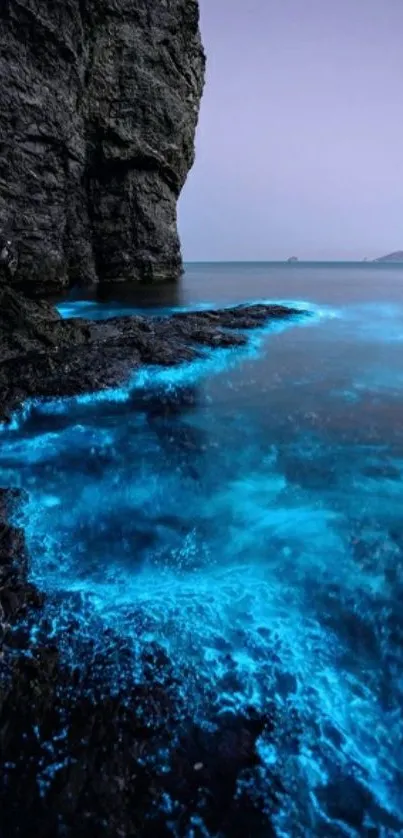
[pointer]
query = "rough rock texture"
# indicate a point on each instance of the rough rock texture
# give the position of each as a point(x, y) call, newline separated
point(43, 355)
point(98, 107)
point(77, 760)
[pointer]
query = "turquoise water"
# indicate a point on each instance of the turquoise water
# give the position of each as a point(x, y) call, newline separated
point(243, 513)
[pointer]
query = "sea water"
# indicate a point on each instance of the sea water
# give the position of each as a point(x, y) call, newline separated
point(244, 513)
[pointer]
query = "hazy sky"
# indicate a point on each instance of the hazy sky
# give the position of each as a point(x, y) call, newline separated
point(300, 141)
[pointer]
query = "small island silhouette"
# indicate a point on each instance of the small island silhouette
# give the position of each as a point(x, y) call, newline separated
point(397, 256)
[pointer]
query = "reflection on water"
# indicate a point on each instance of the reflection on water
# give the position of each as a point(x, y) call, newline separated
point(206, 284)
point(247, 519)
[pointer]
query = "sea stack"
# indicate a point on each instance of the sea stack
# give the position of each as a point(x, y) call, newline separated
point(99, 103)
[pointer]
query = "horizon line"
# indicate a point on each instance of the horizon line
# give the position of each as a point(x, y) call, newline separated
point(375, 261)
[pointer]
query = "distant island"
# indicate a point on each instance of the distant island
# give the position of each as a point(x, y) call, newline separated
point(391, 257)
point(293, 259)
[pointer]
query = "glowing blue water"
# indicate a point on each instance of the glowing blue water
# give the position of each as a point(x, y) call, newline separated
point(93, 310)
point(244, 513)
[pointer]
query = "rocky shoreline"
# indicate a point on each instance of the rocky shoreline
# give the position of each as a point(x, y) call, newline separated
point(42, 355)
point(81, 761)
point(98, 117)
point(78, 760)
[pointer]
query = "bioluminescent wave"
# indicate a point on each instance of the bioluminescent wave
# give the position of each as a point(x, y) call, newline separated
point(249, 525)
point(210, 362)
point(93, 310)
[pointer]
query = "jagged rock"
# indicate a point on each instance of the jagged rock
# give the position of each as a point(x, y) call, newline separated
point(98, 107)
point(78, 760)
point(28, 326)
point(43, 355)
point(8, 260)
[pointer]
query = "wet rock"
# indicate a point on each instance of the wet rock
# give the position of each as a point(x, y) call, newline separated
point(79, 760)
point(42, 355)
point(348, 801)
point(213, 773)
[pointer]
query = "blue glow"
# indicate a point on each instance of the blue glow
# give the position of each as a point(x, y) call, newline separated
point(93, 310)
point(254, 534)
point(211, 362)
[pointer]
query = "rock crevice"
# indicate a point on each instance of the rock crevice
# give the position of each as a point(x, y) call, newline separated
point(98, 111)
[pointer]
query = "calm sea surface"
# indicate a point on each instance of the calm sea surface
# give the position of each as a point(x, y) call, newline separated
point(244, 512)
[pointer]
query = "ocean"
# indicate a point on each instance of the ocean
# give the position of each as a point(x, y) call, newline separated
point(243, 513)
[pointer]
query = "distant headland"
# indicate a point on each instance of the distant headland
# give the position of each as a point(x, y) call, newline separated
point(397, 256)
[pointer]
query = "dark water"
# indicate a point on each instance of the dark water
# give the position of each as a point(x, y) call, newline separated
point(245, 513)
point(205, 284)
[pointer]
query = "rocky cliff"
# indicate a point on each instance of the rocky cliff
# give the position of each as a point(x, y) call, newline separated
point(99, 102)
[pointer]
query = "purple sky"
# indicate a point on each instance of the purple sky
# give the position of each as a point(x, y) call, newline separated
point(300, 142)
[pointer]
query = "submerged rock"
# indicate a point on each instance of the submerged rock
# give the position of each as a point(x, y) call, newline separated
point(43, 355)
point(98, 107)
point(80, 758)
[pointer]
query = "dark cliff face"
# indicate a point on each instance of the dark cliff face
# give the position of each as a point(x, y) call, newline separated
point(99, 103)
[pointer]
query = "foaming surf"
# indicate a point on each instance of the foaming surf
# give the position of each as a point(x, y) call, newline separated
point(265, 560)
point(210, 363)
